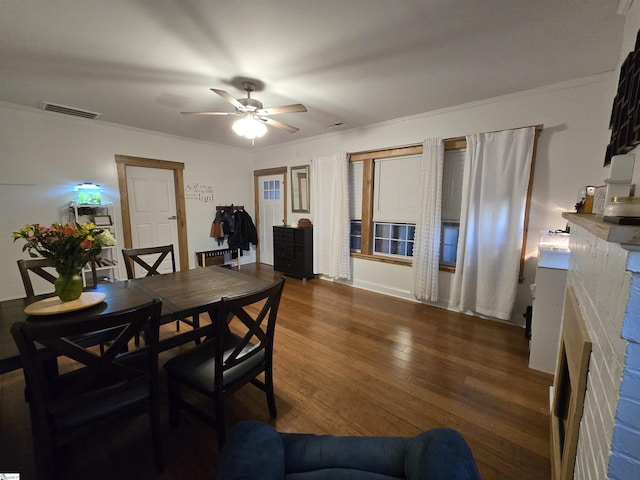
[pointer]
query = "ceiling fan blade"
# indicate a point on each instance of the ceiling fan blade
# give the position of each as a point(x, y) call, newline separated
point(295, 108)
point(227, 96)
point(278, 124)
point(209, 113)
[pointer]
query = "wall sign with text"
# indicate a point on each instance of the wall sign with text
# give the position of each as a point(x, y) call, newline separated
point(197, 191)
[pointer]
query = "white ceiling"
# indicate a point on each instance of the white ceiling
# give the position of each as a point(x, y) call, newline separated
point(355, 62)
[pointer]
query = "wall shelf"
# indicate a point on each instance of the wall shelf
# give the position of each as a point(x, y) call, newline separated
point(107, 262)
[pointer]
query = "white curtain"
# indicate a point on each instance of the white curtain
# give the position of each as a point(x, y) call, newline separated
point(331, 224)
point(494, 191)
point(426, 246)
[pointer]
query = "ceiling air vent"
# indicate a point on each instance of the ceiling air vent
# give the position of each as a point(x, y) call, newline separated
point(75, 112)
point(336, 126)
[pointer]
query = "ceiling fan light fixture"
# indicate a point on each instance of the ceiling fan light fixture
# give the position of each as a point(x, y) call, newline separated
point(249, 127)
point(254, 118)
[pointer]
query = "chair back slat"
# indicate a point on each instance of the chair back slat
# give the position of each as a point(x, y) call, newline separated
point(134, 255)
point(257, 334)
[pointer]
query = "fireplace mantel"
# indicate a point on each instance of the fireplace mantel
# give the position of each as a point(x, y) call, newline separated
point(610, 232)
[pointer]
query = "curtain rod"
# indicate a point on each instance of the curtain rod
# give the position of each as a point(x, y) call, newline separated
point(538, 128)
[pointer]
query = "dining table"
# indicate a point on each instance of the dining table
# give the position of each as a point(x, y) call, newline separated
point(184, 293)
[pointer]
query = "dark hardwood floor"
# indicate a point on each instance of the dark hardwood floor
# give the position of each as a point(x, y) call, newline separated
point(347, 362)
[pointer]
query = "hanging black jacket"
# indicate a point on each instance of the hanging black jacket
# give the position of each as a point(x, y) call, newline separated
point(228, 226)
point(244, 231)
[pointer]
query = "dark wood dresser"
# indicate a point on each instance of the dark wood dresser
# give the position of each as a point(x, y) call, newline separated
point(293, 251)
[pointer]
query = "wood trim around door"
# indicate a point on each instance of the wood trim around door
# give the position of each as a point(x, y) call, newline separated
point(256, 197)
point(181, 211)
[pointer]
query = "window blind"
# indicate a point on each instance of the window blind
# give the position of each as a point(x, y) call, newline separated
point(452, 173)
point(396, 189)
point(355, 190)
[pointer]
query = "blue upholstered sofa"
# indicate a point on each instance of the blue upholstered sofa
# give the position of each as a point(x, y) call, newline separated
point(256, 451)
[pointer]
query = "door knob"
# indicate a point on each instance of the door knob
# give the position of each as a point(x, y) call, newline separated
point(174, 217)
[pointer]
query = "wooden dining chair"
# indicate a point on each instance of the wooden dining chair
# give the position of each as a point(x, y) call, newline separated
point(238, 353)
point(150, 259)
point(96, 387)
point(142, 256)
point(45, 268)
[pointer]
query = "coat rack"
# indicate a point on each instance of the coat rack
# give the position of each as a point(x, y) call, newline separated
point(220, 208)
point(203, 256)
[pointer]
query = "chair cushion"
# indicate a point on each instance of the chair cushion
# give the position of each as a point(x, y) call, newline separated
point(253, 450)
point(101, 407)
point(109, 394)
point(195, 368)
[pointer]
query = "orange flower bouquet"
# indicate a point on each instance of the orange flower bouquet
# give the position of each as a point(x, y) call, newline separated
point(69, 246)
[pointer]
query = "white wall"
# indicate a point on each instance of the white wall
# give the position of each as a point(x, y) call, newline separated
point(43, 155)
point(570, 155)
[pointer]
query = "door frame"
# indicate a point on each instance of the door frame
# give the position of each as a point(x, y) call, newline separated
point(122, 161)
point(256, 195)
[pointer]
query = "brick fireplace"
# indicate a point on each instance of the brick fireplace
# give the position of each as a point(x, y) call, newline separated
point(604, 272)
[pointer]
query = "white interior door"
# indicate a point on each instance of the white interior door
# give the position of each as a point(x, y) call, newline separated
point(271, 205)
point(152, 209)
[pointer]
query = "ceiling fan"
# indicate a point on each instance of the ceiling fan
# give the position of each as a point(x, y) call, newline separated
point(254, 115)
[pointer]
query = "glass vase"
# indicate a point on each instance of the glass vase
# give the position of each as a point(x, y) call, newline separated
point(68, 286)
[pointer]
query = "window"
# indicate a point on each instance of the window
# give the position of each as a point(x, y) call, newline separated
point(396, 190)
point(449, 243)
point(395, 199)
point(356, 235)
point(271, 190)
point(384, 225)
point(394, 238)
point(452, 173)
point(382, 202)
